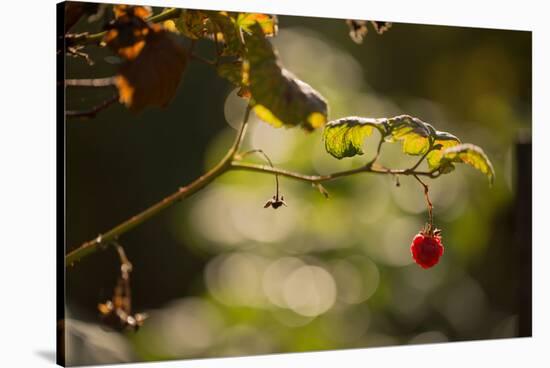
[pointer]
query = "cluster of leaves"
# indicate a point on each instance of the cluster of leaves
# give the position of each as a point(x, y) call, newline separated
point(345, 137)
point(248, 60)
point(155, 60)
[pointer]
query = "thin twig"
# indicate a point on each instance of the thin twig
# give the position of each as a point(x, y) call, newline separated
point(90, 82)
point(260, 151)
point(125, 264)
point(237, 165)
point(378, 150)
point(91, 113)
point(430, 149)
point(430, 206)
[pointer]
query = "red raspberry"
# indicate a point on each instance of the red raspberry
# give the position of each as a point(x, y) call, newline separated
point(426, 249)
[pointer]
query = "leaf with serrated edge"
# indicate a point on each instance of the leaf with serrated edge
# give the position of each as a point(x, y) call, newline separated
point(278, 97)
point(344, 137)
point(469, 154)
point(445, 140)
point(416, 135)
point(413, 132)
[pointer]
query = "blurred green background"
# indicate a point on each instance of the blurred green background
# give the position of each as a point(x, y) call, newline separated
point(219, 275)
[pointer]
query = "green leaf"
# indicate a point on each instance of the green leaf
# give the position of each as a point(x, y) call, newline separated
point(469, 154)
point(217, 26)
point(344, 137)
point(278, 97)
point(226, 32)
point(443, 140)
point(413, 132)
point(224, 27)
point(418, 136)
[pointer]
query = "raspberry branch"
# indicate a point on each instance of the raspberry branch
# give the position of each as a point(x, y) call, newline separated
point(232, 161)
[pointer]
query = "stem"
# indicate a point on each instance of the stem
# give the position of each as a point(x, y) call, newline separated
point(430, 206)
point(430, 149)
point(378, 150)
point(90, 82)
point(231, 161)
point(94, 110)
point(236, 165)
point(224, 165)
point(260, 151)
point(125, 264)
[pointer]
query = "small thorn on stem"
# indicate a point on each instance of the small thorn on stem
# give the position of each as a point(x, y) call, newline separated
point(321, 189)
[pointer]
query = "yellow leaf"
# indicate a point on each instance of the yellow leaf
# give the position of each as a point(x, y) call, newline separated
point(469, 154)
point(268, 23)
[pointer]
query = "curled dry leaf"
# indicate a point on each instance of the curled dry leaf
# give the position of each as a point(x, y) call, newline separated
point(155, 60)
point(380, 27)
point(127, 33)
point(358, 28)
point(151, 79)
point(278, 97)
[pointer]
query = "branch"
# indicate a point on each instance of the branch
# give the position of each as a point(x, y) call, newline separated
point(90, 82)
point(112, 235)
point(91, 113)
point(236, 165)
point(229, 162)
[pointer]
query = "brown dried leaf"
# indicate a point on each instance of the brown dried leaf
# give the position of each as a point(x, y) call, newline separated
point(127, 33)
point(380, 27)
point(127, 45)
point(142, 12)
point(358, 28)
point(153, 75)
